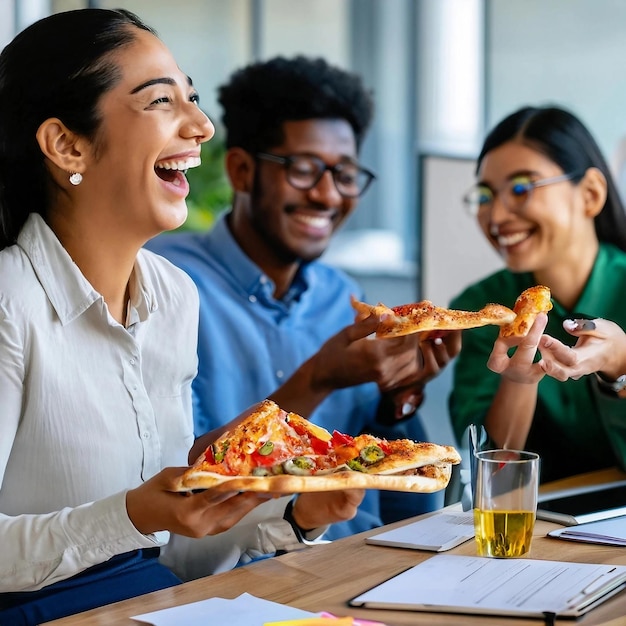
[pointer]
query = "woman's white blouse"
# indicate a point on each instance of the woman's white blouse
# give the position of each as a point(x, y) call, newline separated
point(88, 408)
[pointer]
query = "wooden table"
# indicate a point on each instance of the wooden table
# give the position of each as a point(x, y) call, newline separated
point(326, 576)
point(581, 481)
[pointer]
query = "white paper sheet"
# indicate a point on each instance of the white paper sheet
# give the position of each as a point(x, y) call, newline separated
point(497, 586)
point(610, 532)
point(245, 610)
point(437, 533)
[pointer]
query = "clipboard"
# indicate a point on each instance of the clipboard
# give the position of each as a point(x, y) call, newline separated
point(507, 587)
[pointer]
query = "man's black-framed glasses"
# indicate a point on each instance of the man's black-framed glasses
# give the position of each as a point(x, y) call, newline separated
point(304, 171)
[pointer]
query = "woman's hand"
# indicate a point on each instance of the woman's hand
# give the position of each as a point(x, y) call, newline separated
point(315, 509)
point(155, 505)
point(520, 367)
point(601, 347)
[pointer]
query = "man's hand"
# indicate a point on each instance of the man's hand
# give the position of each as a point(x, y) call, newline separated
point(438, 352)
point(315, 509)
point(354, 356)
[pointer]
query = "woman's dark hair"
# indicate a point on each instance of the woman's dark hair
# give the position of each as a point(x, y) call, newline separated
point(59, 66)
point(259, 98)
point(564, 139)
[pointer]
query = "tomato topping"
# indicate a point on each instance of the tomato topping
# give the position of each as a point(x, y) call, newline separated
point(208, 456)
point(299, 428)
point(383, 444)
point(339, 439)
point(319, 446)
point(263, 460)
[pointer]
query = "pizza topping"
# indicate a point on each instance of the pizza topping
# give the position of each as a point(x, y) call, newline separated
point(355, 465)
point(266, 448)
point(261, 471)
point(341, 439)
point(271, 449)
point(300, 466)
point(209, 457)
point(219, 451)
point(371, 454)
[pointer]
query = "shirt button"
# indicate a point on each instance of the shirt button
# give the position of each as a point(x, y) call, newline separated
point(252, 298)
point(145, 435)
point(263, 280)
point(132, 361)
point(279, 373)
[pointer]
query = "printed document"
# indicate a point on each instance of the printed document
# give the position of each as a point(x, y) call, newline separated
point(517, 587)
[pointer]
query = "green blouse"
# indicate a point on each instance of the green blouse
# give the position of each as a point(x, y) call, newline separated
point(577, 426)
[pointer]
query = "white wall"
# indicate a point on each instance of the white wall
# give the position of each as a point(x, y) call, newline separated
point(455, 253)
point(570, 52)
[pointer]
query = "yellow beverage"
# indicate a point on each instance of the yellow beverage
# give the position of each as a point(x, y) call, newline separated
point(503, 533)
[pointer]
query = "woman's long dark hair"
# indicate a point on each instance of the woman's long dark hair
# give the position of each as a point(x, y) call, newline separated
point(57, 67)
point(564, 139)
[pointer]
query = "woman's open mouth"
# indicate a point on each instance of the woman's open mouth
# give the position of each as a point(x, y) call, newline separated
point(173, 171)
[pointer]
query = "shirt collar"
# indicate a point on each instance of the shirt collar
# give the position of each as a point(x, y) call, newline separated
point(69, 292)
point(245, 272)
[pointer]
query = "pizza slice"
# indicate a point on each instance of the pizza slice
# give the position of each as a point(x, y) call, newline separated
point(528, 305)
point(278, 452)
point(425, 317)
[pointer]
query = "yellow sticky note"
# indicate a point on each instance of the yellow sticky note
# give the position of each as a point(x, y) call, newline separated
point(314, 621)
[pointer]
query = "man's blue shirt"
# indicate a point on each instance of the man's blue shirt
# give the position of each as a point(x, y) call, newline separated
point(249, 344)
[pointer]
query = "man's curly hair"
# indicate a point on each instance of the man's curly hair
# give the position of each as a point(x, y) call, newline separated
point(259, 98)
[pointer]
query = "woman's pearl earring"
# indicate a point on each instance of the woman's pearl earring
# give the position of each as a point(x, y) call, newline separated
point(76, 178)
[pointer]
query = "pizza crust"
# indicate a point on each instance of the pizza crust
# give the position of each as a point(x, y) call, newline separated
point(425, 479)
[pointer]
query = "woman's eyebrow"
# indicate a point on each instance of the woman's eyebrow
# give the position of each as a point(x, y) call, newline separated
point(158, 81)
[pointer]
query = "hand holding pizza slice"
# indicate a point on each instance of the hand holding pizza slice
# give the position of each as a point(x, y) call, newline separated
point(278, 452)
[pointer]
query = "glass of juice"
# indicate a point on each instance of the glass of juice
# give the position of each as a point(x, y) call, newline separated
point(505, 501)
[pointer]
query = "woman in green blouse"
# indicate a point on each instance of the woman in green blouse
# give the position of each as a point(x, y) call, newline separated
point(545, 200)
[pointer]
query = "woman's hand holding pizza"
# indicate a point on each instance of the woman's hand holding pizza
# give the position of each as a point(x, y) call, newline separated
point(521, 366)
point(155, 506)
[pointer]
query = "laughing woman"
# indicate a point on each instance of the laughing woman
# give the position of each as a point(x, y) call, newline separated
point(545, 200)
point(97, 336)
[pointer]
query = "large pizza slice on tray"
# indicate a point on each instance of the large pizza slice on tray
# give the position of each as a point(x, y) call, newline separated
point(279, 452)
point(425, 317)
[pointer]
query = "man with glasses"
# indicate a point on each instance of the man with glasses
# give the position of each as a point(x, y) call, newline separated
point(275, 321)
